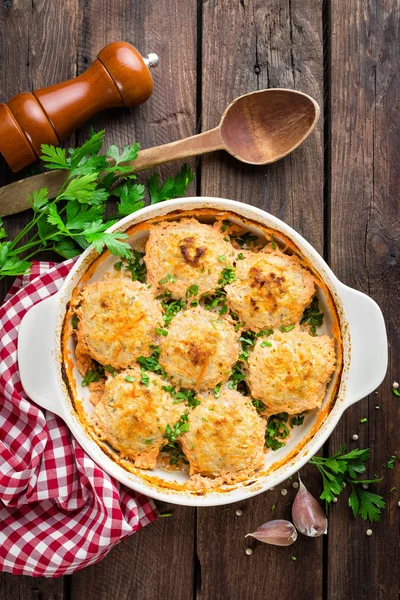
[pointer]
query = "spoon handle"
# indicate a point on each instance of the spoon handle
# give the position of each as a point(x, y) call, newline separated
point(209, 141)
point(14, 197)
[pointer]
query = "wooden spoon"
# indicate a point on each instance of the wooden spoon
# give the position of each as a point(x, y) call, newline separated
point(258, 128)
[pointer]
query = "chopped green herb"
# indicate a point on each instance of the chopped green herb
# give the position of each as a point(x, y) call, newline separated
point(287, 328)
point(391, 462)
point(150, 363)
point(313, 316)
point(258, 405)
point(240, 256)
point(217, 390)
point(93, 375)
point(293, 557)
point(181, 426)
point(161, 515)
point(364, 420)
point(167, 278)
point(74, 321)
point(276, 431)
point(109, 369)
point(265, 332)
point(130, 379)
point(222, 258)
point(134, 265)
point(265, 344)
point(144, 377)
point(192, 290)
point(237, 376)
point(182, 395)
point(225, 225)
point(247, 340)
point(395, 391)
point(171, 309)
point(227, 276)
point(149, 441)
point(160, 331)
point(175, 452)
point(246, 240)
point(273, 507)
point(392, 489)
point(297, 420)
point(217, 300)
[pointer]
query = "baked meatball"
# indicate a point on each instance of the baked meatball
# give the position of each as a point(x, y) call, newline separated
point(133, 417)
point(199, 350)
point(225, 437)
point(117, 321)
point(181, 254)
point(271, 289)
point(291, 374)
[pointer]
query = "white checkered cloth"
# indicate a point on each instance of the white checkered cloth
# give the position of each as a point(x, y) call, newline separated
point(59, 512)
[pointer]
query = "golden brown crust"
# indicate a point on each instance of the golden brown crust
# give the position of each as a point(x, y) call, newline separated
point(117, 321)
point(291, 375)
point(225, 438)
point(186, 252)
point(199, 350)
point(133, 417)
point(271, 290)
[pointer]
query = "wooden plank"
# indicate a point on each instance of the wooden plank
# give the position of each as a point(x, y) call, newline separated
point(157, 561)
point(13, 587)
point(44, 33)
point(259, 45)
point(37, 47)
point(365, 250)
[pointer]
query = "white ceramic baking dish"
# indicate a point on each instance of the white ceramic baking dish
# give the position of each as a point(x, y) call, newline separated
point(364, 363)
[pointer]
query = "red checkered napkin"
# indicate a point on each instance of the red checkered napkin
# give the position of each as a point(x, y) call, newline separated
point(59, 512)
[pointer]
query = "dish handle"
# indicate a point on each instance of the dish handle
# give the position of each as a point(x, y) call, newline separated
point(369, 347)
point(36, 355)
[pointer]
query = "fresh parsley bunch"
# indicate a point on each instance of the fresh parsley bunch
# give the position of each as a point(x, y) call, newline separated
point(341, 469)
point(76, 218)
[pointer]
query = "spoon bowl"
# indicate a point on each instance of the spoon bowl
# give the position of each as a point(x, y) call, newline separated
point(261, 127)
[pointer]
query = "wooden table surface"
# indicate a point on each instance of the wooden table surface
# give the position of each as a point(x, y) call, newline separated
point(340, 190)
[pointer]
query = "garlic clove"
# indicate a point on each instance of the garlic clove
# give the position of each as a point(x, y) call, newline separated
point(307, 513)
point(277, 533)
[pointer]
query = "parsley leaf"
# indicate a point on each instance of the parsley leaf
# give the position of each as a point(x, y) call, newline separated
point(344, 468)
point(172, 187)
point(112, 241)
point(39, 199)
point(54, 158)
point(131, 198)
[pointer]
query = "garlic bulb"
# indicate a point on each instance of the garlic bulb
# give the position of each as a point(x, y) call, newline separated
point(308, 514)
point(277, 533)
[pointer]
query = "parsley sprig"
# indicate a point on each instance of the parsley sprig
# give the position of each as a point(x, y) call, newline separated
point(76, 217)
point(344, 468)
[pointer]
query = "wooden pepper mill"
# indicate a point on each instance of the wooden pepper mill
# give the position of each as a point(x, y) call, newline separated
point(119, 76)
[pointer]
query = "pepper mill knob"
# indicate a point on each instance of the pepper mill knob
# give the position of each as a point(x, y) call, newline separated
point(119, 76)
